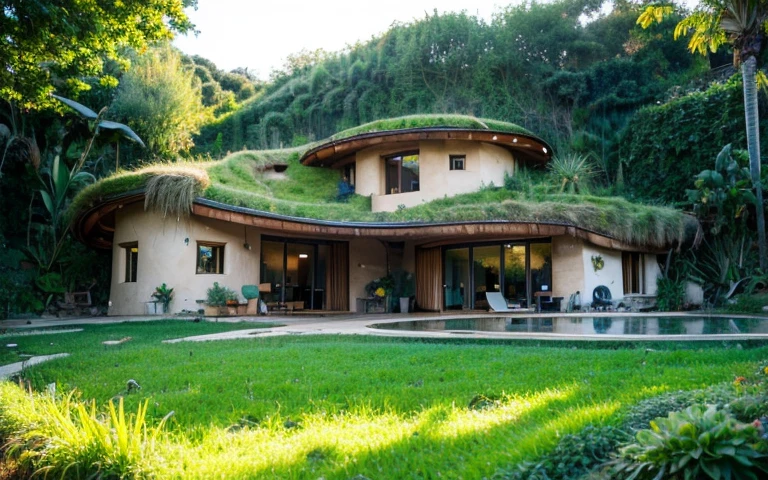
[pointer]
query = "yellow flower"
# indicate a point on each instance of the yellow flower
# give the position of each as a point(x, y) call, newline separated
point(380, 292)
point(765, 370)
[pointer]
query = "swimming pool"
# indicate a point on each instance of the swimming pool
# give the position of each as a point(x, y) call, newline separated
point(589, 325)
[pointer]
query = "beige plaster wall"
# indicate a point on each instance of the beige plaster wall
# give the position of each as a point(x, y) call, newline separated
point(367, 262)
point(610, 275)
point(165, 258)
point(567, 268)
point(485, 164)
point(652, 272)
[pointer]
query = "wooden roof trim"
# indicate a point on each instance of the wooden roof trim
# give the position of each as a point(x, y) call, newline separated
point(329, 153)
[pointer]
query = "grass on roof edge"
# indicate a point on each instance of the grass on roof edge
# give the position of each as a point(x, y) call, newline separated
point(431, 120)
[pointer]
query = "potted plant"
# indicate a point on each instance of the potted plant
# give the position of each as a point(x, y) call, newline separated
point(404, 288)
point(216, 299)
point(164, 295)
point(381, 289)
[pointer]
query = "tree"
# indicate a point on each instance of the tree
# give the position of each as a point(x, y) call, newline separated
point(161, 100)
point(741, 24)
point(52, 44)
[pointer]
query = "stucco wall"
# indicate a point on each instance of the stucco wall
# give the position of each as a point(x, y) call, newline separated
point(610, 275)
point(485, 164)
point(165, 258)
point(367, 261)
point(567, 268)
point(652, 272)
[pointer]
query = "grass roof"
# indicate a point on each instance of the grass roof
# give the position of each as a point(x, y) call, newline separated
point(434, 121)
point(241, 180)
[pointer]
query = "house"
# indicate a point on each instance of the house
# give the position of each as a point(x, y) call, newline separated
point(422, 175)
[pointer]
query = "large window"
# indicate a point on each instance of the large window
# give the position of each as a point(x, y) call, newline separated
point(518, 270)
point(632, 272)
point(402, 172)
point(210, 257)
point(131, 260)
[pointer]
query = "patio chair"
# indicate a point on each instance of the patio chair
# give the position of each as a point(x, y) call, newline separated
point(601, 297)
point(497, 302)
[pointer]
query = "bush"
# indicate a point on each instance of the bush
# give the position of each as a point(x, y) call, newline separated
point(698, 442)
point(670, 294)
point(217, 295)
point(575, 456)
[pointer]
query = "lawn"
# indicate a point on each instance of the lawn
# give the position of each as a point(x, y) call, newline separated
point(336, 407)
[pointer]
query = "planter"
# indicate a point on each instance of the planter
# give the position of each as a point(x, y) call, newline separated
point(154, 308)
point(212, 311)
point(404, 304)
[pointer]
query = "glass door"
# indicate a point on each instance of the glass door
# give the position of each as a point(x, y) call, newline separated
point(515, 286)
point(457, 279)
point(486, 268)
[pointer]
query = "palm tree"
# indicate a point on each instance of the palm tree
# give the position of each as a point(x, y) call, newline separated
point(739, 23)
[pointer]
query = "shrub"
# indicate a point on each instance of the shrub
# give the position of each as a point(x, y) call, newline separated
point(218, 295)
point(70, 439)
point(670, 294)
point(573, 457)
point(698, 442)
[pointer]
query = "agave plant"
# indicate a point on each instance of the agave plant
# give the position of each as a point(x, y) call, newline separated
point(572, 171)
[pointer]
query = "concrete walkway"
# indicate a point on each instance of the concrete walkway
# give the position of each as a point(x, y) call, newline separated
point(7, 370)
point(360, 324)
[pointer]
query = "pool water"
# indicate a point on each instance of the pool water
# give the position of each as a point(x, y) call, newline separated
point(624, 325)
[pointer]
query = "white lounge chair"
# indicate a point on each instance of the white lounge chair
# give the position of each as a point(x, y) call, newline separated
point(498, 303)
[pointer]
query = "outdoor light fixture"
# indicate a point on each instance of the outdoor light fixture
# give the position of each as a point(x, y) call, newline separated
point(545, 149)
point(514, 140)
point(303, 255)
point(495, 137)
point(186, 241)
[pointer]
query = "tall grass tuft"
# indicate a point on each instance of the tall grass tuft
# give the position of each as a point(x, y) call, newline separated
point(66, 438)
point(173, 193)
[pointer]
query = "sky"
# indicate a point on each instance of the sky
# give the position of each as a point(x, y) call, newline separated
point(259, 35)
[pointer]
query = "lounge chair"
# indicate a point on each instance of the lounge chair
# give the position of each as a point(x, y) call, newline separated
point(497, 302)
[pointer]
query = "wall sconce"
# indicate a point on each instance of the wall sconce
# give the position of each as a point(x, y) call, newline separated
point(186, 241)
point(303, 255)
point(495, 137)
point(247, 246)
point(360, 265)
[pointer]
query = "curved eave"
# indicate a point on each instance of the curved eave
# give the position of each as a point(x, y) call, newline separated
point(95, 227)
point(528, 147)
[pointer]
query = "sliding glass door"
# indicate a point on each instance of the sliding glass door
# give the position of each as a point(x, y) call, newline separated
point(517, 270)
point(296, 273)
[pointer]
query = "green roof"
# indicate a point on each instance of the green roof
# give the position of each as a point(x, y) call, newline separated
point(432, 121)
point(241, 180)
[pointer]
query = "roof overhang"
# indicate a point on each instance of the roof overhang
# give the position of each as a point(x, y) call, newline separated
point(95, 227)
point(528, 148)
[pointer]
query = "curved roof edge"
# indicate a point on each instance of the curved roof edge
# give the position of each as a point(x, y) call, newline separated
point(529, 147)
point(93, 228)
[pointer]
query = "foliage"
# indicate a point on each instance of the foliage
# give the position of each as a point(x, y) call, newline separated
point(572, 171)
point(172, 192)
point(718, 263)
point(657, 144)
point(747, 303)
point(581, 92)
point(46, 43)
point(389, 407)
point(574, 456)
point(217, 295)
point(404, 283)
point(164, 295)
point(159, 99)
point(670, 294)
point(722, 197)
point(698, 442)
point(380, 287)
point(69, 437)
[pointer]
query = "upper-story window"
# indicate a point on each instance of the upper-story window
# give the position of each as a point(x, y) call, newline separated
point(402, 172)
point(457, 162)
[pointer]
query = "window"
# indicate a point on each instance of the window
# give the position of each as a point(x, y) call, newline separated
point(131, 260)
point(349, 173)
point(402, 172)
point(632, 272)
point(457, 162)
point(210, 257)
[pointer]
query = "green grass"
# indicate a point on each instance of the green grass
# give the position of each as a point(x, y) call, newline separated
point(379, 407)
point(433, 120)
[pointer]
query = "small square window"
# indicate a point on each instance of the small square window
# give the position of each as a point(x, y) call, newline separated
point(458, 161)
point(210, 257)
point(131, 260)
